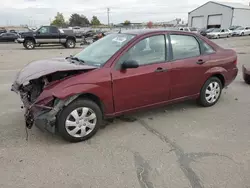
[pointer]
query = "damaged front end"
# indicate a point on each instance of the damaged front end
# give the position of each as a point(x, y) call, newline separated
point(41, 106)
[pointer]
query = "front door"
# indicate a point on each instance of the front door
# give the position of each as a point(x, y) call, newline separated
point(43, 35)
point(149, 83)
point(188, 65)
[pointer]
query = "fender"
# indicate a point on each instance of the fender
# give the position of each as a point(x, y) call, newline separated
point(73, 37)
point(30, 37)
point(103, 93)
point(214, 71)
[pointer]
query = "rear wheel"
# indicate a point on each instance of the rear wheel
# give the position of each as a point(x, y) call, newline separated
point(29, 44)
point(70, 43)
point(80, 120)
point(210, 92)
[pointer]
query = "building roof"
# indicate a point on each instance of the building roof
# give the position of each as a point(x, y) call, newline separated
point(232, 5)
point(226, 4)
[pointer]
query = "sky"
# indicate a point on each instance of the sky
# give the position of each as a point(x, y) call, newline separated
point(40, 12)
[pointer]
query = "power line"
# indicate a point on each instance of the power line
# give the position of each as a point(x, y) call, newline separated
point(108, 15)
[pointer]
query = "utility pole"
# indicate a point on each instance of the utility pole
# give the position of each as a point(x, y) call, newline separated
point(108, 15)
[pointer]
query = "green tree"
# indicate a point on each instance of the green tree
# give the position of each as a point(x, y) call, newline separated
point(59, 20)
point(78, 20)
point(95, 21)
point(127, 22)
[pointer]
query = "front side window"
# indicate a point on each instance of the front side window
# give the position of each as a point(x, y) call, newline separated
point(44, 30)
point(184, 46)
point(99, 52)
point(147, 51)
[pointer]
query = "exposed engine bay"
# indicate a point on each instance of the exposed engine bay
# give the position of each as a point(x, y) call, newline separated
point(30, 92)
point(31, 81)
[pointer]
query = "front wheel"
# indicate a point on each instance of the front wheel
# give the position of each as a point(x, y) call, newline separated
point(242, 34)
point(80, 120)
point(210, 92)
point(29, 44)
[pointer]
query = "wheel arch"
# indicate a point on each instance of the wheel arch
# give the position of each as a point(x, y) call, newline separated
point(93, 98)
point(30, 38)
point(70, 37)
point(221, 78)
point(218, 72)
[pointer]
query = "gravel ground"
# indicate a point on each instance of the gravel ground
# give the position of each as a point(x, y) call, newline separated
point(178, 146)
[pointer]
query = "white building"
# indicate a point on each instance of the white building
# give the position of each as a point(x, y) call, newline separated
point(219, 15)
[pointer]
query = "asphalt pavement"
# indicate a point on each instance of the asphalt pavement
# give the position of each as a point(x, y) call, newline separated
point(177, 146)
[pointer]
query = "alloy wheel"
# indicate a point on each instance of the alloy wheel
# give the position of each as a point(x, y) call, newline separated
point(81, 122)
point(30, 44)
point(212, 92)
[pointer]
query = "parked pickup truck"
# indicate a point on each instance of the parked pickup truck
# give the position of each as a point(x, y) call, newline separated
point(49, 35)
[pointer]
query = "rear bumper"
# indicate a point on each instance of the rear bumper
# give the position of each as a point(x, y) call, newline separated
point(231, 75)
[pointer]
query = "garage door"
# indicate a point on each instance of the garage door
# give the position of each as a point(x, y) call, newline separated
point(197, 21)
point(214, 19)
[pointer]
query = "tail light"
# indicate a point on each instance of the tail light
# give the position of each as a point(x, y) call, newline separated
point(235, 62)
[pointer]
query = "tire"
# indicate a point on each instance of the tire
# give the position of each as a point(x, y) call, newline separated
point(218, 36)
point(212, 82)
point(242, 34)
point(29, 44)
point(79, 128)
point(247, 81)
point(70, 43)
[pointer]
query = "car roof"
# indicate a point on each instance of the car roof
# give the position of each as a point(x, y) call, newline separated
point(148, 31)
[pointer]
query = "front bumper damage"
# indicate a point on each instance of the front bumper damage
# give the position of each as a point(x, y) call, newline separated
point(42, 115)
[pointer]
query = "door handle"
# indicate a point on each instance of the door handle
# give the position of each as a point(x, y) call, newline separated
point(160, 69)
point(200, 62)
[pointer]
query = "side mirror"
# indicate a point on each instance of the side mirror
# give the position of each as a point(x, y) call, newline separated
point(38, 32)
point(130, 64)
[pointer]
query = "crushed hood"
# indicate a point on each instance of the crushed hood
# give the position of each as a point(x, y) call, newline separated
point(40, 68)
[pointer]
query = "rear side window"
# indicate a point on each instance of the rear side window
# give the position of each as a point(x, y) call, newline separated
point(207, 49)
point(184, 46)
point(53, 30)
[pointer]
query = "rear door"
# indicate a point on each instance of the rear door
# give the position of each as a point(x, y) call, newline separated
point(223, 33)
point(188, 64)
point(54, 35)
point(149, 83)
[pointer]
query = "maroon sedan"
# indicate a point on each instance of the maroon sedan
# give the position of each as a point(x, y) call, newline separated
point(121, 73)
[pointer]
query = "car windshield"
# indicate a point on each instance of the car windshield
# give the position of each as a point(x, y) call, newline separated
point(102, 50)
point(239, 28)
point(210, 30)
point(193, 29)
point(216, 30)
